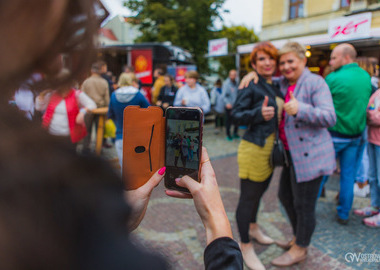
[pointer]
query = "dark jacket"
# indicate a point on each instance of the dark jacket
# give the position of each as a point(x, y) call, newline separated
point(167, 94)
point(110, 83)
point(247, 110)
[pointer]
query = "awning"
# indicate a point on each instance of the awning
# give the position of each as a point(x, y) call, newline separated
point(317, 41)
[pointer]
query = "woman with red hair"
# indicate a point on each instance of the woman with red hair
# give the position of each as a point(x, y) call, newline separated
point(308, 112)
point(258, 107)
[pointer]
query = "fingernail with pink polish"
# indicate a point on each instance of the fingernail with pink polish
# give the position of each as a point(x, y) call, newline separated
point(162, 171)
point(177, 180)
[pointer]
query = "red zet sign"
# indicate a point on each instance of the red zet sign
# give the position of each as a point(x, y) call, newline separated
point(351, 27)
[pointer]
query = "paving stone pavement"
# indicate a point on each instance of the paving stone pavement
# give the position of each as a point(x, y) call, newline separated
point(172, 228)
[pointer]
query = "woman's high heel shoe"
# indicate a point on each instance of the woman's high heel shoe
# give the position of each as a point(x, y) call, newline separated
point(287, 260)
point(257, 234)
point(285, 244)
point(250, 258)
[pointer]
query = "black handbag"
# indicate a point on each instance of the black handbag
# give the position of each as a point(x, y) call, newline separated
point(278, 157)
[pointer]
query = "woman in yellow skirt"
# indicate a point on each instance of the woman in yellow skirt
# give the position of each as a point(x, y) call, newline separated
point(259, 107)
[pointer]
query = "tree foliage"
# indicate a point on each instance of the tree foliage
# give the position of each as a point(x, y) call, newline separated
point(185, 23)
point(237, 35)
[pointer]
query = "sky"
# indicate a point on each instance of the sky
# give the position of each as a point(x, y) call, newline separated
point(242, 12)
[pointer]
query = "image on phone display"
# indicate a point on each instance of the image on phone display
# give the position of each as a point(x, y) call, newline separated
point(183, 145)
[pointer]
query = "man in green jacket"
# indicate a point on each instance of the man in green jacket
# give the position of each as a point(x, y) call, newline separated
point(350, 87)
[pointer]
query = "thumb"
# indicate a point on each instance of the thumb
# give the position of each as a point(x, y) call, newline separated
point(155, 179)
point(187, 182)
point(292, 97)
point(265, 103)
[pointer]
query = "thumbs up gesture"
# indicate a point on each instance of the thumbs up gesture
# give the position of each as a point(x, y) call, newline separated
point(267, 111)
point(291, 107)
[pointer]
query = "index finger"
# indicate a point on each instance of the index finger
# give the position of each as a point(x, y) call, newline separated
point(206, 168)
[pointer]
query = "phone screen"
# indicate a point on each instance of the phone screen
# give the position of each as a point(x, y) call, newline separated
point(183, 144)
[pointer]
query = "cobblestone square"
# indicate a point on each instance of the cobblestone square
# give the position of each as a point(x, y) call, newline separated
point(172, 227)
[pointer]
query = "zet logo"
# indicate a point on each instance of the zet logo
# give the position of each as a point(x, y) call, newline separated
point(141, 63)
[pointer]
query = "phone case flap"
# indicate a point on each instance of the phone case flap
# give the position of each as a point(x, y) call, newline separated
point(143, 144)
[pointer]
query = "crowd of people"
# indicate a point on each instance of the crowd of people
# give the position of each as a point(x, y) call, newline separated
point(185, 148)
point(60, 209)
point(70, 203)
point(318, 121)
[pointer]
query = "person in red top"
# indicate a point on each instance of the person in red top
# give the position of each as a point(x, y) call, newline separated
point(64, 110)
point(60, 210)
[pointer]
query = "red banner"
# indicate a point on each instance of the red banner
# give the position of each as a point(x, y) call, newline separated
point(142, 61)
point(180, 74)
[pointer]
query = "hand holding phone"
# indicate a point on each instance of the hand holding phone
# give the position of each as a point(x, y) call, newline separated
point(183, 144)
point(207, 200)
point(139, 198)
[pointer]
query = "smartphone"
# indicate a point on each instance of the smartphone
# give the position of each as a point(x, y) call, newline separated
point(183, 145)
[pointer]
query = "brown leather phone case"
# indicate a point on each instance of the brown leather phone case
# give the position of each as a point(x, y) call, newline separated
point(143, 144)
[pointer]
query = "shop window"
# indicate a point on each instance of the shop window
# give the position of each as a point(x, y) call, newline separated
point(344, 3)
point(295, 9)
point(370, 2)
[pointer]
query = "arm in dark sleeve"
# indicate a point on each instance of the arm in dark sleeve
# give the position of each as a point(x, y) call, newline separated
point(171, 99)
point(111, 112)
point(223, 253)
point(161, 95)
point(244, 111)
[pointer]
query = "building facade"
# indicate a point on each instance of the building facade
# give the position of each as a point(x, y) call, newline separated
point(319, 25)
point(295, 18)
point(119, 30)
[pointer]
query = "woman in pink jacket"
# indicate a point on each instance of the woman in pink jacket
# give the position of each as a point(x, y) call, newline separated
point(373, 121)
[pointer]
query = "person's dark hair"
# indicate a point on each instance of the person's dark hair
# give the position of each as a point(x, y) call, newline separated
point(218, 83)
point(74, 40)
point(66, 85)
point(96, 67)
point(170, 78)
point(129, 68)
point(56, 210)
point(159, 71)
point(102, 63)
